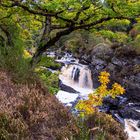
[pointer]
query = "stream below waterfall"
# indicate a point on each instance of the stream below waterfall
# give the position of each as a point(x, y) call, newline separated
point(76, 83)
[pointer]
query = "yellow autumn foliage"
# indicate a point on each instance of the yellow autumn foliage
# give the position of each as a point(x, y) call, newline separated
point(96, 98)
point(26, 54)
point(104, 78)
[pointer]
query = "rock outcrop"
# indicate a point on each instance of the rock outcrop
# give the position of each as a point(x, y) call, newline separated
point(123, 64)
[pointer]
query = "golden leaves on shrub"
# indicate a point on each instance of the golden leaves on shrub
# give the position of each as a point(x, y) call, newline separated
point(95, 99)
point(104, 78)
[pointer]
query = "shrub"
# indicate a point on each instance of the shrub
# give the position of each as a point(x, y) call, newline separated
point(95, 99)
point(29, 112)
point(12, 128)
point(48, 62)
point(136, 44)
point(95, 125)
point(100, 126)
point(119, 37)
point(51, 80)
point(13, 60)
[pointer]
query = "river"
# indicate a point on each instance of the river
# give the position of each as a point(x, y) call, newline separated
point(76, 81)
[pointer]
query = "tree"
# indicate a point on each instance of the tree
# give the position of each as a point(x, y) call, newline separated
point(61, 17)
point(15, 25)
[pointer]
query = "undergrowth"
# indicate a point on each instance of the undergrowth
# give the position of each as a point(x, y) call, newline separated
point(12, 59)
point(29, 112)
point(50, 80)
point(100, 126)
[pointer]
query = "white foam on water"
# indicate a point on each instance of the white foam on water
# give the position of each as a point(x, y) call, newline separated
point(84, 83)
point(67, 58)
point(137, 110)
point(132, 130)
point(51, 54)
point(66, 97)
point(74, 75)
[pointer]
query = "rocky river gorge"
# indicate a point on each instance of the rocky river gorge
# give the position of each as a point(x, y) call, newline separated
point(79, 77)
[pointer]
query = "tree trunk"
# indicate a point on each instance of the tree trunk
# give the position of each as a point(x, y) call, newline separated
point(8, 35)
point(43, 47)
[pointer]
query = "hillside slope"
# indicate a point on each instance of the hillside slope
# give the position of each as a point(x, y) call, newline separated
point(29, 112)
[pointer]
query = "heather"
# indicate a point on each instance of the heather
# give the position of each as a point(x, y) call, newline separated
point(69, 69)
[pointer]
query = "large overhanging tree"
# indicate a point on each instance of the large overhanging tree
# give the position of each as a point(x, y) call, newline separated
point(61, 17)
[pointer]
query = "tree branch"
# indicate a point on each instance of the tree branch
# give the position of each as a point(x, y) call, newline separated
point(28, 9)
point(42, 48)
point(8, 16)
point(8, 35)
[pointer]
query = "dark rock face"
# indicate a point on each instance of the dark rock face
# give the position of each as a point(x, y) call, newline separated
point(75, 74)
point(129, 113)
point(121, 107)
point(123, 64)
point(102, 51)
point(66, 88)
point(138, 125)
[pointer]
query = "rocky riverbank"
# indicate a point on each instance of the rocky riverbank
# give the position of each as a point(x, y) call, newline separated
point(123, 64)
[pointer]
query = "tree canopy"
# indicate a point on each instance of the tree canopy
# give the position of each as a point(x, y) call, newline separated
point(42, 23)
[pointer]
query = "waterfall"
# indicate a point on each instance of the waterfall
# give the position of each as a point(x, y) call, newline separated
point(77, 75)
point(74, 75)
point(85, 79)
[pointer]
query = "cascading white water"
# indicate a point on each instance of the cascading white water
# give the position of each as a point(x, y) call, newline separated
point(132, 130)
point(78, 75)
